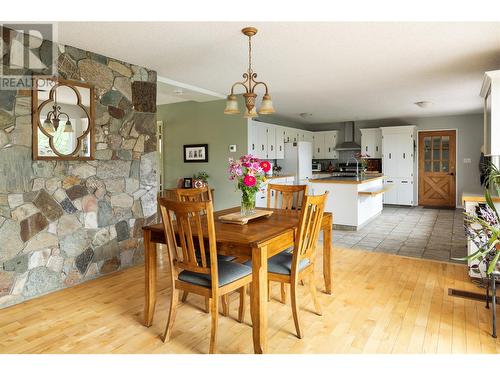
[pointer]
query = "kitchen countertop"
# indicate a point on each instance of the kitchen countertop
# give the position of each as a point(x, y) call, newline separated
point(280, 176)
point(477, 197)
point(348, 180)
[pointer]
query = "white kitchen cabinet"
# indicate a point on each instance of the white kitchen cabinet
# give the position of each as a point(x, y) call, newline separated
point(371, 142)
point(271, 142)
point(331, 144)
point(308, 136)
point(280, 142)
point(398, 164)
point(324, 144)
point(291, 135)
point(318, 146)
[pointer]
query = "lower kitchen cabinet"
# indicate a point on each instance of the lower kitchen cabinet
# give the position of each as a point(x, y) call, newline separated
point(261, 197)
point(400, 191)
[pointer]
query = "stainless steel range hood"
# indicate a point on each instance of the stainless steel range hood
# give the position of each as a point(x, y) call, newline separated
point(348, 144)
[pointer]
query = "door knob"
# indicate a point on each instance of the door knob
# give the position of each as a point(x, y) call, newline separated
point(451, 174)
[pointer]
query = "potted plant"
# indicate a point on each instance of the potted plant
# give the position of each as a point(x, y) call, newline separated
point(483, 228)
point(249, 173)
point(200, 179)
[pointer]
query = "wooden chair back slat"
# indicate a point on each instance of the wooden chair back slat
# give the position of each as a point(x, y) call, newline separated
point(306, 239)
point(290, 196)
point(194, 195)
point(187, 248)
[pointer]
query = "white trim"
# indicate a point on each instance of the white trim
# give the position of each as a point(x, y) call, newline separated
point(456, 161)
point(189, 87)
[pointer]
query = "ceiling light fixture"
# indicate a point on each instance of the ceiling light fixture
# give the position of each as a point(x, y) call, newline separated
point(424, 104)
point(249, 84)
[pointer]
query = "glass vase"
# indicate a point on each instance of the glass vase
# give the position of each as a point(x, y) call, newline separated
point(247, 203)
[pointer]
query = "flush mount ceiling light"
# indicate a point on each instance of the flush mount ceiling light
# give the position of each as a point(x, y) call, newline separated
point(249, 84)
point(424, 104)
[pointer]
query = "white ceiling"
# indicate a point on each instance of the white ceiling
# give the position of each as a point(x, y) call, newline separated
point(169, 91)
point(336, 71)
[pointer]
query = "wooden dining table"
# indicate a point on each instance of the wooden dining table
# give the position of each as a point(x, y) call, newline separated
point(258, 240)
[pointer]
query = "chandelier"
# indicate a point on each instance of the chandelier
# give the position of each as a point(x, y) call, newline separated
point(51, 123)
point(249, 84)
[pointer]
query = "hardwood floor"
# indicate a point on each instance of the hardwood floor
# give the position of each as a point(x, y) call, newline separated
point(381, 303)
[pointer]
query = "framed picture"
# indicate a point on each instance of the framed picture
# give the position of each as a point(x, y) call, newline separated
point(188, 183)
point(196, 153)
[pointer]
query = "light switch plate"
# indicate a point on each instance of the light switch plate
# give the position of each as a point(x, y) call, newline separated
point(467, 160)
point(232, 148)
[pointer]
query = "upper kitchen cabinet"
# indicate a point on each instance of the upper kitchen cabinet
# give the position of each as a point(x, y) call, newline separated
point(291, 135)
point(265, 141)
point(398, 148)
point(280, 142)
point(324, 144)
point(371, 142)
point(490, 91)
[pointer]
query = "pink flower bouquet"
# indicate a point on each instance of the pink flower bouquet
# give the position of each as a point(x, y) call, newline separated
point(249, 173)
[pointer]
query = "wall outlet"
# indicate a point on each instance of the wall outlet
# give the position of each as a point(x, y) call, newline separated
point(467, 160)
point(232, 148)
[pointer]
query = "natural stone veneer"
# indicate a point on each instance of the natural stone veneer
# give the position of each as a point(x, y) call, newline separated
point(64, 222)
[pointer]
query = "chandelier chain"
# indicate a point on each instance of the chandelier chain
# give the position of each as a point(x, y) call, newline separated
point(250, 55)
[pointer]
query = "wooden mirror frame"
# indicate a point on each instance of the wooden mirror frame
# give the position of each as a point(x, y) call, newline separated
point(36, 125)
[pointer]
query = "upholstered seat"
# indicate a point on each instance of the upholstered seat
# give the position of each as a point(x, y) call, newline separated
point(282, 263)
point(227, 273)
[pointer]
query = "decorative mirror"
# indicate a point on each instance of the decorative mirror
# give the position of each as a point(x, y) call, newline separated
point(63, 119)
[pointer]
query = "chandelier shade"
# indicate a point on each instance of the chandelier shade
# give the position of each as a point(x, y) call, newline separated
point(231, 105)
point(249, 84)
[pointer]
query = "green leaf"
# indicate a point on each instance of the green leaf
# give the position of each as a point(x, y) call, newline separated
point(489, 201)
point(493, 263)
point(472, 256)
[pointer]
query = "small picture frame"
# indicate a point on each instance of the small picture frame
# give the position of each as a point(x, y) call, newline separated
point(187, 183)
point(196, 153)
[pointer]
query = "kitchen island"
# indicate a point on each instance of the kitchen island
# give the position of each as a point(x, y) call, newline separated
point(353, 200)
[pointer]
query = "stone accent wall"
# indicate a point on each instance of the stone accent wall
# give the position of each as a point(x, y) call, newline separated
point(61, 222)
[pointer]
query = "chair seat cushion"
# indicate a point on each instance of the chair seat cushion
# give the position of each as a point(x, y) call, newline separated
point(227, 272)
point(282, 263)
point(227, 258)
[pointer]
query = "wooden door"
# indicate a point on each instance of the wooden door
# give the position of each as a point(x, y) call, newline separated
point(436, 168)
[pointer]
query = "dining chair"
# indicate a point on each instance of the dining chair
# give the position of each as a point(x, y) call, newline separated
point(198, 195)
point(191, 269)
point(290, 197)
point(288, 267)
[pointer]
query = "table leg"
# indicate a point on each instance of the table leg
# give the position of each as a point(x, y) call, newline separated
point(327, 255)
point(150, 278)
point(258, 299)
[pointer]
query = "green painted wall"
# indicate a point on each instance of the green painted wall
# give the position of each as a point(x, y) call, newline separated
point(192, 123)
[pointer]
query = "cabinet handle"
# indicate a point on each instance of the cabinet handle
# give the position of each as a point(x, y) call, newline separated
point(404, 182)
point(271, 147)
point(280, 148)
point(366, 148)
point(404, 155)
point(318, 149)
point(328, 149)
point(262, 147)
point(376, 148)
point(389, 155)
point(253, 146)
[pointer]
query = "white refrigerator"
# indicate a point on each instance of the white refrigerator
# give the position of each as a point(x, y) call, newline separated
point(298, 160)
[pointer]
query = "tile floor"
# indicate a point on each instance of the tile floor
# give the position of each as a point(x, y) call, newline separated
point(410, 231)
